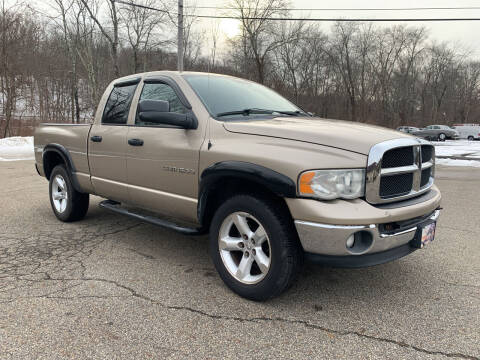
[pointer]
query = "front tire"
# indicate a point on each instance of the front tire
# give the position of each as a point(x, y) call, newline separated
point(470, 138)
point(442, 137)
point(255, 247)
point(67, 203)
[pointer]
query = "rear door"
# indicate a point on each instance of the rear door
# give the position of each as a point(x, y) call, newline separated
point(162, 171)
point(108, 143)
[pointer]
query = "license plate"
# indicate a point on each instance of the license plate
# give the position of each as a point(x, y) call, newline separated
point(428, 234)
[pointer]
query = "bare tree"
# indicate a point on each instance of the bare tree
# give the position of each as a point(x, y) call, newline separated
point(342, 54)
point(140, 23)
point(314, 70)
point(289, 54)
point(389, 45)
point(69, 29)
point(111, 36)
point(214, 34)
point(404, 83)
point(193, 39)
point(19, 38)
point(258, 31)
point(440, 72)
point(89, 51)
point(469, 91)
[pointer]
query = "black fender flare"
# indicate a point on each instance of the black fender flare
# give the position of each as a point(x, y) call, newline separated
point(67, 159)
point(278, 183)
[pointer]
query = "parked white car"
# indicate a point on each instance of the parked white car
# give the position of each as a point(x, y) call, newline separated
point(470, 132)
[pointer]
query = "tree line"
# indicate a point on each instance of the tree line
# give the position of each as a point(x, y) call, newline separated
point(55, 65)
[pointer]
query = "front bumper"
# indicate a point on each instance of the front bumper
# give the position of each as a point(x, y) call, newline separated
point(375, 244)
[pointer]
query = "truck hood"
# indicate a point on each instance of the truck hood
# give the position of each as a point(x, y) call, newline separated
point(346, 135)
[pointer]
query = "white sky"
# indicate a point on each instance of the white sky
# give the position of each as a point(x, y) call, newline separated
point(464, 35)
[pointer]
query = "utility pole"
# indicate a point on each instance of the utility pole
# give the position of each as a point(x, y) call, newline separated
point(180, 37)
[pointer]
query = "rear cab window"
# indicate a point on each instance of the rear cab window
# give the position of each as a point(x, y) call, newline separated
point(118, 104)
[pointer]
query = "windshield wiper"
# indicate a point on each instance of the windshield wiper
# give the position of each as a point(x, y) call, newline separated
point(246, 112)
point(293, 113)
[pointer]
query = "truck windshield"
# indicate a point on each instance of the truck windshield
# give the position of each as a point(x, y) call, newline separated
point(225, 97)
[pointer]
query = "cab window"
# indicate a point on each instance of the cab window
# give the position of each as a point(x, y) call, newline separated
point(118, 105)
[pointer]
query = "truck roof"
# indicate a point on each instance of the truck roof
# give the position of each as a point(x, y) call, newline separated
point(166, 72)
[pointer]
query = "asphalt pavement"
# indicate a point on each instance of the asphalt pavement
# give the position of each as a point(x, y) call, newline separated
point(111, 287)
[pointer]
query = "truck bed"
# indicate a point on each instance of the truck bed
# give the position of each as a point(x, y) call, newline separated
point(73, 137)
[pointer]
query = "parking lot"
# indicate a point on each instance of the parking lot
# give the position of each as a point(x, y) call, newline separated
point(111, 287)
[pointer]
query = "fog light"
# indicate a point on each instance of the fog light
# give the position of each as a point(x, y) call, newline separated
point(351, 241)
point(359, 242)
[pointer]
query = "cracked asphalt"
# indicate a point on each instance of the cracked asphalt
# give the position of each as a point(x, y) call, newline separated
point(111, 287)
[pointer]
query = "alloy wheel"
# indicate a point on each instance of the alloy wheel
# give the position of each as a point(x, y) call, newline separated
point(59, 193)
point(244, 248)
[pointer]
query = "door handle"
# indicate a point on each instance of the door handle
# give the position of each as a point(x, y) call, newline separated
point(135, 142)
point(96, 138)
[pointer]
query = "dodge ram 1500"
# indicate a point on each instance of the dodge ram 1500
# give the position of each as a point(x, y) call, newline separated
point(271, 184)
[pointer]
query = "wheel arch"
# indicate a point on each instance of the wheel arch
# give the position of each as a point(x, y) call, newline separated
point(235, 177)
point(56, 154)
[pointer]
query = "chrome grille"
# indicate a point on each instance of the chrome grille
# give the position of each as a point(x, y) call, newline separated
point(398, 157)
point(399, 169)
point(426, 175)
point(427, 152)
point(395, 185)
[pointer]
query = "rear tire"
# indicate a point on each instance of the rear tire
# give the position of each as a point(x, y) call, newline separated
point(261, 256)
point(470, 138)
point(442, 137)
point(67, 203)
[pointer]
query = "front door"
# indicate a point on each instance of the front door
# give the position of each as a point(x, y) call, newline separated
point(108, 144)
point(162, 160)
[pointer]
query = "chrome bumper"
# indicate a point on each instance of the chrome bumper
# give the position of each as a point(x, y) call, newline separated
point(326, 239)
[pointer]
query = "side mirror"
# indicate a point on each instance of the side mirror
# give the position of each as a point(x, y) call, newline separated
point(158, 112)
point(153, 106)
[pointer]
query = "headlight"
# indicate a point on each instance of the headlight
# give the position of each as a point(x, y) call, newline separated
point(332, 184)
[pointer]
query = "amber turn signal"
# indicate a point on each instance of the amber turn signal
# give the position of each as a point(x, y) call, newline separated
point(305, 182)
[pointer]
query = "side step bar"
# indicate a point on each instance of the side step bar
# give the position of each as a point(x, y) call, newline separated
point(115, 207)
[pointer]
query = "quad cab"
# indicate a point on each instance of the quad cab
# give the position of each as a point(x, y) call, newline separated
point(271, 184)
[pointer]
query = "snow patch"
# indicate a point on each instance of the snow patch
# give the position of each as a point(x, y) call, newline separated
point(457, 148)
point(451, 162)
point(16, 148)
point(460, 148)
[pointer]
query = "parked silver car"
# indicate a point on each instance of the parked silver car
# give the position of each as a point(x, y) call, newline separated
point(407, 129)
point(437, 132)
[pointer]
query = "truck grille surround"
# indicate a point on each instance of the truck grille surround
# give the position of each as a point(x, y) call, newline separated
point(399, 169)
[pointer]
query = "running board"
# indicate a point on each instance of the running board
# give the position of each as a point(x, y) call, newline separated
point(115, 207)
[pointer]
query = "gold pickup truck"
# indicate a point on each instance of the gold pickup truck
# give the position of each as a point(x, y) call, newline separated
point(271, 184)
